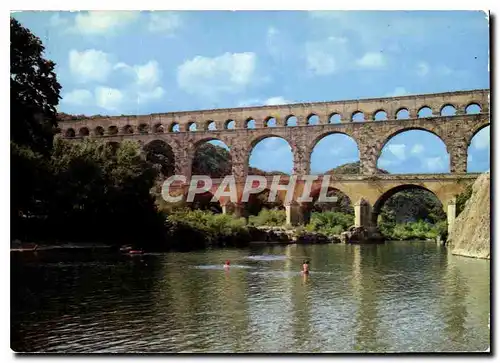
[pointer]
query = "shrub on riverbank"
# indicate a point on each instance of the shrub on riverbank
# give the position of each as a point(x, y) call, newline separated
point(414, 230)
point(195, 229)
point(268, 217)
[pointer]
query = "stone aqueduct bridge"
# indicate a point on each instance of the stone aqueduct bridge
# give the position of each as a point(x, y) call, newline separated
point(368, 190)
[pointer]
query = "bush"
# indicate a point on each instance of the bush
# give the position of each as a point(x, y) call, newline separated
point(330, 223)
point(269, 217)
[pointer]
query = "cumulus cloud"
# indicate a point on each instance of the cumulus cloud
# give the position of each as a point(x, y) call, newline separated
point(164, 22)
point(372, 60)
point(78, 97)
point(423, 69)
point(57, 20)
point(398, 91)
point(434, 163)
point(271, 101)
point(417, 149)
point(327, 56)
point(110, 99)
point(481, 140)
point(150, 95)
point(103, 22)
point(227, 73)
point(398, 150)
point(89, 65)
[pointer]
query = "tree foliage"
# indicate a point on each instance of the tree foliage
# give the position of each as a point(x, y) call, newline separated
point(34, 91)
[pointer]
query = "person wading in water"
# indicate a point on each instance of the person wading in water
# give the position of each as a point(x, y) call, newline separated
point(305, 267)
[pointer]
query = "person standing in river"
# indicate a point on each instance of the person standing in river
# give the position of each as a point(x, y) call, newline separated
point(305, 267)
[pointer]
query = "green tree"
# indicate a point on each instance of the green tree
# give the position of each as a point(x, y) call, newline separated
point(34, 91)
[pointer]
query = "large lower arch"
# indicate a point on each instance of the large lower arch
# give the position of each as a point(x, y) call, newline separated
point(416, 200)
point(332, 150)
point(478, 150)
point(212, 158)
point(161, 154)
point(413, 150)
point(271, 154)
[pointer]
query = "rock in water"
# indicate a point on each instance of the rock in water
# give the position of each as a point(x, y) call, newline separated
point(470, 234)
point(361, 235)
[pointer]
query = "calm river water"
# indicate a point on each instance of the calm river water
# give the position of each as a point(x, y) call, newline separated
point(397, 297)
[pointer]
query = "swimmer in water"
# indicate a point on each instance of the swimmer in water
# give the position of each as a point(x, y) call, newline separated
point(226, 265)
point(305, 267)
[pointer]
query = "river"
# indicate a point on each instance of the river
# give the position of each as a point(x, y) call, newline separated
point(397, 297)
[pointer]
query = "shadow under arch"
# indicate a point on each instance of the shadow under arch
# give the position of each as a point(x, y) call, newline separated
point(381, 201)
point(203, 201)
point(260, 201)
point(211, 157)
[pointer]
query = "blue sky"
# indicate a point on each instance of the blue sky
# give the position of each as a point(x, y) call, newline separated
point(145, 62)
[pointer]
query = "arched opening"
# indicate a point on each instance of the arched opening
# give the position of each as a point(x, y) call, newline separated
point(270, 122)
point(335, 118)
point(271, 155)
point(250, 123)
point(410, 212)
point(327, 216)
point(127, 129)
point(212, 158)
point(158, 129)
point(230, 125)
point(473, 108)
point(380, 115)
point(358, 116)
point(99, 131)
point(402, 114)
point(424, 112)
point(112, 130)
point(414, 151)
point(161, 155)
point(448, 110)
point(174, 127)
point(313, 119)
point(291, 121)
point(210, 125)
point(478, 152)
point(143, 129)
point(192, 126)
point(70, 133)
point(335, 153)
point(84, 131)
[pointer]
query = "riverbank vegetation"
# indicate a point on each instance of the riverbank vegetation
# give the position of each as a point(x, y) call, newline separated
point(95, 192)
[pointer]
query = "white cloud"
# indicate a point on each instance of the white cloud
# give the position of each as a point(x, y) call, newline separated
point(89, 65)
point(164, 22)
point(481, 140)
point(398, 150)
point(327, 56)
point(227, 73)
point(423, 69)
point(434, 163)
point(111, 99)
point(279, 100)
point(384, 162)
point(103, 22)
point(147, 96)
point(372, 60)
point(78, 97)
point(148, 74)
point(57, 20)
point(398, 91)
point(271, 101)
point(417, 149)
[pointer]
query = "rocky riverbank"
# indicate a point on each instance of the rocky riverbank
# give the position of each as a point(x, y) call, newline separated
point(297, 235)
point(470, 235)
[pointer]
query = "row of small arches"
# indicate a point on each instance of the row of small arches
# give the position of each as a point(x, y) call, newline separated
point(312, 119)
